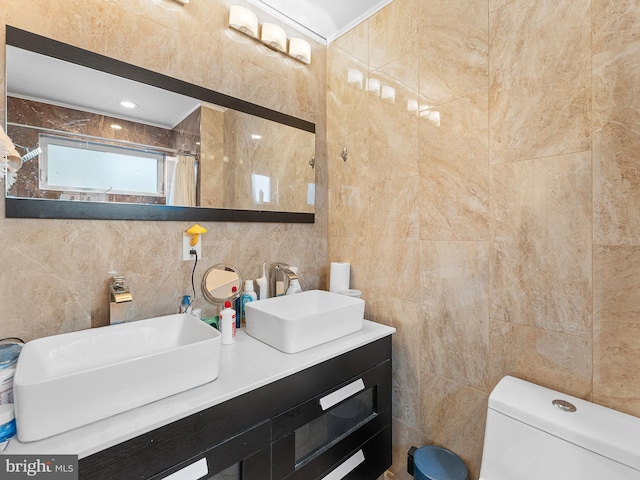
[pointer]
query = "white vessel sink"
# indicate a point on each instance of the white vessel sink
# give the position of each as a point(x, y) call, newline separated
point(293, 323)
point(69, 380)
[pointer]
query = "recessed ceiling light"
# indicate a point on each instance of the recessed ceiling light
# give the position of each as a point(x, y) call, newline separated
point(128, 104)
point(115, 126)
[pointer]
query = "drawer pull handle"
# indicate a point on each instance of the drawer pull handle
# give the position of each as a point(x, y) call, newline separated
point(346, 468)
point(341, 394)
point(191, 472)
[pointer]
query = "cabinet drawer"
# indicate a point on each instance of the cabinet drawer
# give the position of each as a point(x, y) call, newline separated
point(354, 458)
point(313, 436)
point(250, 450)
point(192, 442)
point(369, 461)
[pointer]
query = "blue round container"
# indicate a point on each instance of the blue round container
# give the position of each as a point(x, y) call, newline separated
point(437, 463)
point(7, 422)
point(9, 353)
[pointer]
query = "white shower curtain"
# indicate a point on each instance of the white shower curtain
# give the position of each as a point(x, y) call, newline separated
point(183, 185)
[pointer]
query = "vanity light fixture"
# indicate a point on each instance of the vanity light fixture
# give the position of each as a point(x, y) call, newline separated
point(243, 20)
point(115, 126)
point(273, 36)
point(128, 104)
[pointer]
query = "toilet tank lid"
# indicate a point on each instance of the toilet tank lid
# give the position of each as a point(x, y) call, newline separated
point(602, 430)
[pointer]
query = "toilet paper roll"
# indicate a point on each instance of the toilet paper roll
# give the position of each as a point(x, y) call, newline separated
point(339, 277)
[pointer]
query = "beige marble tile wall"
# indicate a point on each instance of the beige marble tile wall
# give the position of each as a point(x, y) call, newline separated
point(54, 273)
point(289, 179)
point(491, 213)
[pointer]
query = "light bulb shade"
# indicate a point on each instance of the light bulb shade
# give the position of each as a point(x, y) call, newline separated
point(373, 85)
point(274, 36)
point(388, 94)
point(243, 20)
point(300, 49)
point(355, 77)
point(434, 117)
point(412, 105)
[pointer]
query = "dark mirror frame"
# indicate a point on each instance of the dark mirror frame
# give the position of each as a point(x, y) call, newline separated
point(64, 209)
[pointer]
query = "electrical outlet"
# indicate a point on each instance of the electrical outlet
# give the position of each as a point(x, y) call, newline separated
point(187, 247)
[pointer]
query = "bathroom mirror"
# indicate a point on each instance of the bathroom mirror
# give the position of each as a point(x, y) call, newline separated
point(222, 282)
point(176, 151)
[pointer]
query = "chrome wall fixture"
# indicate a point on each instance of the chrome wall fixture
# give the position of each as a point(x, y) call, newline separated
point(273, 36)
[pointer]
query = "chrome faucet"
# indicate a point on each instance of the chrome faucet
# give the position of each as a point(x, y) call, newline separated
point(280, 277)
point(119, 298)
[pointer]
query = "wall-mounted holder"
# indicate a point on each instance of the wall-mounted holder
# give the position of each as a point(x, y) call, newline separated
point(191, 241)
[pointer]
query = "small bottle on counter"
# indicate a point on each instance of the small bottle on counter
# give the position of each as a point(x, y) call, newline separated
point(248, 295)
point(263, 290)
point(237, 305)
point(228, 324)
point(185, 306)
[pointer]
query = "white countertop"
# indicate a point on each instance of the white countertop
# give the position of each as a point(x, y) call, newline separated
point(244, 366)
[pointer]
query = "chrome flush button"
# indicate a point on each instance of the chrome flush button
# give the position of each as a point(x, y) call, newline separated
point(564, 406)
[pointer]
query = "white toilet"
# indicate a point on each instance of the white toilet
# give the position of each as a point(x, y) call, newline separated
point(534, 433)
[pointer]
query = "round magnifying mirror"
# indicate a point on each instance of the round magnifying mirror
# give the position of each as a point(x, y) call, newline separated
point(219, 281)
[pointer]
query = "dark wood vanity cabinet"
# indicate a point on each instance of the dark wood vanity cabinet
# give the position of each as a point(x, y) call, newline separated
point(332, 417)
